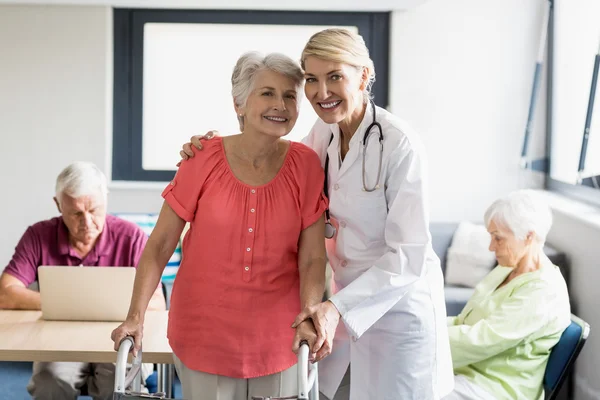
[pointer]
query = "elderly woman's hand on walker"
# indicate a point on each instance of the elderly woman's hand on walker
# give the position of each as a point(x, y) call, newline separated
point(131, 327)
point(305, 331)
point(325, 317)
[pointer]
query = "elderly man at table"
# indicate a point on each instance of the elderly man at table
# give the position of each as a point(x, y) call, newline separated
point(85, 236)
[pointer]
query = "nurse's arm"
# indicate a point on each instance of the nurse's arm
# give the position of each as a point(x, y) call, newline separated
point(186, 151)
point(156, 254)
point(521, 315)
point(364, 301)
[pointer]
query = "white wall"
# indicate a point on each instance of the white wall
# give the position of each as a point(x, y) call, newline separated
point(319, 5)
point(55, 105)
point(462, 76)
point(576, 231)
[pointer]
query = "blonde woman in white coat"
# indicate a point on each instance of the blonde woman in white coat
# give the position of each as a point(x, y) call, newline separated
point(387, 281)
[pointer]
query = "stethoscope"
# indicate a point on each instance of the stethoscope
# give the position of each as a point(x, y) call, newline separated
point(329, 228)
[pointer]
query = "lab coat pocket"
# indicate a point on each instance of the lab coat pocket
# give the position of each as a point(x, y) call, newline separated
point(370, 211)
point(377, 196)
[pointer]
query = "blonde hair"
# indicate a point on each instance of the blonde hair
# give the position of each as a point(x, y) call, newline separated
point(248, 66)
point(342, 46)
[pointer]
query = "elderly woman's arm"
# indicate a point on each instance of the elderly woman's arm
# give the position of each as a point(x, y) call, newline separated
point(521, 315)
point(156, 254)
point(311, 266)
point(158, 250)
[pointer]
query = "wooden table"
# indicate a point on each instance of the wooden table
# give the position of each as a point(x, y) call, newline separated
point(25, 336)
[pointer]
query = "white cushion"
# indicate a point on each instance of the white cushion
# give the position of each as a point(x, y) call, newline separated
point(468, 259)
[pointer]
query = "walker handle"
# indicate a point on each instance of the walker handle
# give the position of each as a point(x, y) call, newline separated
point(122, 379)
point(308, 385)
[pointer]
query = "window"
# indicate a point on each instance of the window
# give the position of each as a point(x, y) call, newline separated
point(173, 70)
point(574, 45)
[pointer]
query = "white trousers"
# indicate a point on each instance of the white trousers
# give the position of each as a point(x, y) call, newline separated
point(64, 380)
point(405, 355)
point(198, 385)
point(464, 389)
point(343, 392)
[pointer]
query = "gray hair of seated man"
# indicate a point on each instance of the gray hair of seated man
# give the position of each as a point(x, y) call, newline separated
point(248, 66)
point(522, 211)
point(81, 179)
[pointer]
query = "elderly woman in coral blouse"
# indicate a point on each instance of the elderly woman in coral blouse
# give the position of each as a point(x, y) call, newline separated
point(254, 255)
point(502, 339)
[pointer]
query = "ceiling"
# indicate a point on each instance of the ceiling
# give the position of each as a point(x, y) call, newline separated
point(304, 5)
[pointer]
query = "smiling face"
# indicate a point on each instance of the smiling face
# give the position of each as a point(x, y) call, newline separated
point(272, 106)
point(335, 90)
point(509, 249)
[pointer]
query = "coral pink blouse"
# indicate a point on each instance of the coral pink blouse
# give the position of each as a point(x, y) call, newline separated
point(237, 290)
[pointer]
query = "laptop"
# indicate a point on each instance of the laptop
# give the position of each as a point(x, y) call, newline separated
point(85, 293)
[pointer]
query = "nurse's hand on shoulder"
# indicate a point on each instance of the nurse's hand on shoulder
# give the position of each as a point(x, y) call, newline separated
point(305, 331)
point(195, 141)
point(325, 317)
point(131, 327)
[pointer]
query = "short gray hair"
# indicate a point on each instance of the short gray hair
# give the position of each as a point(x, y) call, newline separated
point(81, 179)
point(522, 211)
point(247, 67)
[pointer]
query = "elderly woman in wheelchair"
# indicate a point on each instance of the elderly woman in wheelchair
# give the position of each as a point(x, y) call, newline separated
point(502, 339)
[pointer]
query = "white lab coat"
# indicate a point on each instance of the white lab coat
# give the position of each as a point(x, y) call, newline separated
point(388, 284)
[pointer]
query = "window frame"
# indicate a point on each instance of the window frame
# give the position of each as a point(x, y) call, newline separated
point(580, 192)
point(128, 28)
